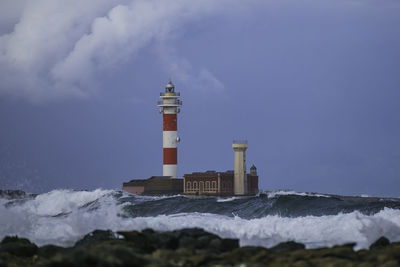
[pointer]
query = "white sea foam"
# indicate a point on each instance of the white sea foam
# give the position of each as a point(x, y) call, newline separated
point(272, 194)
point(271, 230)
point(139, 198)
point(34, 218)
point(81, 212)
point(63, 201)
point(226, 199)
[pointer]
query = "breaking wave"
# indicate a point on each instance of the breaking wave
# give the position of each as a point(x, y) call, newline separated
point(63, 216)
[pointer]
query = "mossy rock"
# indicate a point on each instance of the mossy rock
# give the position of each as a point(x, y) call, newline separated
point(380, 243)
point(49, 251)
point(287, 246)
point(95, 237)
point(179, 257)
point(100, 255)
point(8, 260)
point(246, 254)
point(21, 247)
point(139, 240)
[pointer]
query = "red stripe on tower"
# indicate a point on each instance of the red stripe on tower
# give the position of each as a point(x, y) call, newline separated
point(170, 155)
point(170, 122)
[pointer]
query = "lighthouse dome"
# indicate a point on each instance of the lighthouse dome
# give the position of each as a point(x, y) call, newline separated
point(169, 87)
point(253, 169)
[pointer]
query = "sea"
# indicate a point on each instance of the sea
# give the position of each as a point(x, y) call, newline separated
point(62, 217)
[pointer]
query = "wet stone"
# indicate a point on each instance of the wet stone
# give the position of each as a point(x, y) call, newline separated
point(287, 246)
point(164, 240)
point(187, 247)
point(187, 242)
point(48, 251)
point(380, 243)
point(95, 237)
point(229, 244)
point(21, 247)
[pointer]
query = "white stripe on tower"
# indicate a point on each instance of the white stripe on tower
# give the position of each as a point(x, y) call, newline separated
point(169, 139)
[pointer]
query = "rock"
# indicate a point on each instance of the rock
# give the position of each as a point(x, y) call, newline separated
point(150, 240)
point(187, 247)
point(21, 247)
point(49, 251)
point(302, 263)
point(165, 240)
point(333, 262)
point(107, 253)
point(345, 252)
point(9, 260)
point(246, 254)
point(380, 243)
point(189, 242)
point(215, 245)
point(139, 240)
point(287, 246)
point(180, 257)
point(193, 232)
point(12, 194)
point(203, 241)
point(218, 245)
point(366, 264)
point(392, 263)
point(229, 244)
point(200, 259)
point(184, 252)
point(95, 237)
point(392, 251)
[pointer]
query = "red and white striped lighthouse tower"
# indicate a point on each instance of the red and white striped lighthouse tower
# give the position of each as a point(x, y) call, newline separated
point(170, 107)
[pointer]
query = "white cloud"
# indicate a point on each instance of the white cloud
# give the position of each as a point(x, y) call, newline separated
point(59, 47)
point(180, 69)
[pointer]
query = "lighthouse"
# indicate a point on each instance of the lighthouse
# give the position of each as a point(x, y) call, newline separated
point(170, 107)
point(210, 183)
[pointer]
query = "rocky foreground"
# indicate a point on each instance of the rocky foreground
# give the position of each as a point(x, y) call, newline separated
point(187, 247)
point(14, 194)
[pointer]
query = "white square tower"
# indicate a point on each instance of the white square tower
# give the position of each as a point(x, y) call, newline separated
point(240, 177)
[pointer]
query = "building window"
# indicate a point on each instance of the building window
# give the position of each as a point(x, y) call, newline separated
point(188, 186)
point(208, 185)
point(214, 185)
point(194, 185)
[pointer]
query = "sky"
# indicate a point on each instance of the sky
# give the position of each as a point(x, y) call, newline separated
point(313, 85)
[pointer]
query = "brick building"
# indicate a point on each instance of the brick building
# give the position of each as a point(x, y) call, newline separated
point(155, 185)
point(212, 183)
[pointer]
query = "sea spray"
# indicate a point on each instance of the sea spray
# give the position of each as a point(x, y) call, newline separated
point(63, 216)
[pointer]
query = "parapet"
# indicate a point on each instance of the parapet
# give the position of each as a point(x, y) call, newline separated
point(240, 144)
